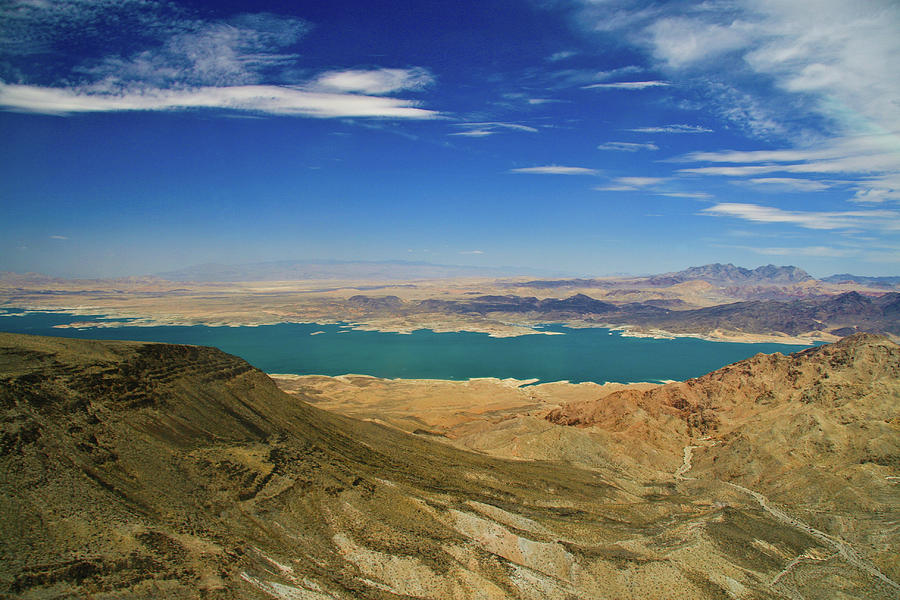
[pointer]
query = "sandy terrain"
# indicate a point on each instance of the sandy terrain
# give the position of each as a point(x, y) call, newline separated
point(389, 306)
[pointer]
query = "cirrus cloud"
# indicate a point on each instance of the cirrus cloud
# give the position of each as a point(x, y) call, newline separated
point(824, 220)
point(556, 170)
point(627, 146)
point(244, 63)
point(275, 100)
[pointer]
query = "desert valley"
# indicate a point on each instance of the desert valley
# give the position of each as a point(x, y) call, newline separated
point(153, 470)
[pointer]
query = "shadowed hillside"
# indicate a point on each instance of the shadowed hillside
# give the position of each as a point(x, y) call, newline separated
point(159, 471)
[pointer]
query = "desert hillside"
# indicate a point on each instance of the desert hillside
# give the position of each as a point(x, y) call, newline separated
point(158, 471)
point(818, 431)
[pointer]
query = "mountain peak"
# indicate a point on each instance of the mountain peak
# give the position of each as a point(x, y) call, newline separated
point(729, 275)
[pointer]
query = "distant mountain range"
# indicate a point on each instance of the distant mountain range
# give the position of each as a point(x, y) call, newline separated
point(719, 274)
point(294, 270)
point(886, 282)
point(840, 315)
point(726, 276)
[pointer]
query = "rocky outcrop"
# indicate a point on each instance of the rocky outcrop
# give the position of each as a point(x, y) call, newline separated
point(817, 430)
point(158, 471)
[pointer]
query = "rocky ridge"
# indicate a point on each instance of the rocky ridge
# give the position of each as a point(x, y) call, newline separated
point(159, 471)
point(817, 431)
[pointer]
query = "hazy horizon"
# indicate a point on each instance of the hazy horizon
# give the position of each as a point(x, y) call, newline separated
point(470, 270)
point(568, 136)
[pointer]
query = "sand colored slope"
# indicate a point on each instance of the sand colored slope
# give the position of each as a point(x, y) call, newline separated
point(158, 471)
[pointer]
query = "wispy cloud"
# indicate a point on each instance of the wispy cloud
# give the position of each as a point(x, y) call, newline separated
point(692, 195)
point(790, 183)
point(240, 51)
point(59, 237)
point(562, 55)
point(276, 100)
point(476, 133)
point(472, 252)
point(485, 129)
point(630, 184)
point(679, 41)
point(627, 146)
point(613, 73)
point(871, 161)
point(776, 69)
point(556, 170)
point(676, 128)
point(806, 251)
point(499, 125)
point(640, 181)
point(886, 220)
point(237, 64)
point(626, 85)
point(374, 81)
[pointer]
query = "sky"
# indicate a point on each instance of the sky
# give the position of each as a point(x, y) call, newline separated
point(586, 137)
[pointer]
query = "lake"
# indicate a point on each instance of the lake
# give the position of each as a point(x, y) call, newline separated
point(596, 354)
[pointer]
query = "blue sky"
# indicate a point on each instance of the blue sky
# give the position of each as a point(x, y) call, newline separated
point(587, 137)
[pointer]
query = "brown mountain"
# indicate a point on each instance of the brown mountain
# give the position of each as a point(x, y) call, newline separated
point(730, 275)
point(841, 315)
point(818, 431)
point(157, 471)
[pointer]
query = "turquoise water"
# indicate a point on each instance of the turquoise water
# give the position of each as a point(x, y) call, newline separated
point(580, 355)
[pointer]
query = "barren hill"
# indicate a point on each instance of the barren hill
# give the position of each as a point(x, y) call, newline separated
point(818, 430)
point(729, 275)
point(159, 471)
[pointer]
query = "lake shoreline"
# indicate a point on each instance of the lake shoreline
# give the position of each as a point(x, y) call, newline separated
point(114, 319)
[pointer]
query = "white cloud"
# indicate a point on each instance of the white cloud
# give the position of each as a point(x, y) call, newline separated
point(680, 41)
point(790, 183)
point(627, 70)
point(640, 181)
point(239, 51)
point(883, 188)
point(627, 146)
point(472, 252)
point(779, 69)
point(276, 100)
point(693, 195)
point(485, 129)
point(730, 171)
point(556, 170)
point(500, 125)
point(233, 64)
point(845, 54)
point(626, 85)
point(33, 26)
point(874, 161)
point(675, 128)
point(373, 81)
point(744, 110)
point(59, 237)
point(758, 156)
point(630, 184)
point(807, 251)
point(616, 188)
point(872, 219)
point(562, 55)
point(475, 133)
